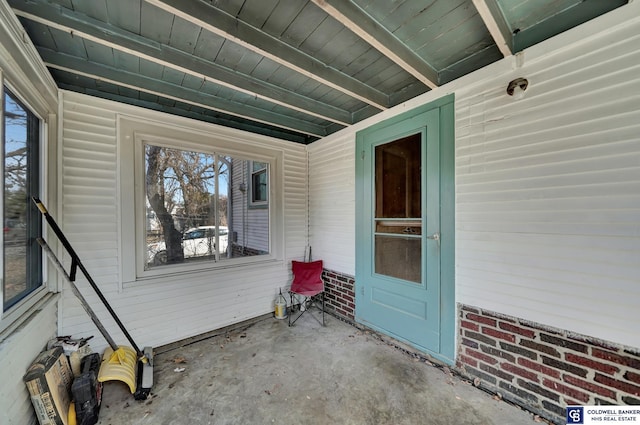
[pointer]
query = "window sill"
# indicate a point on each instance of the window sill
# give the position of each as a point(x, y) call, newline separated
point(169, 274)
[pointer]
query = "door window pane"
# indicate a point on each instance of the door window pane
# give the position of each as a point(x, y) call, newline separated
point(398, 209)
point(399, 257)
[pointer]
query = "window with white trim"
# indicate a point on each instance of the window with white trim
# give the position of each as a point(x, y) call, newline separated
point(196, 209)
point(259, 183)
point(21, 254)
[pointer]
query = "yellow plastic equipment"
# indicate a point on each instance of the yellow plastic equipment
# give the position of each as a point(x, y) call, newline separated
point(71, 416)
point(119, 365)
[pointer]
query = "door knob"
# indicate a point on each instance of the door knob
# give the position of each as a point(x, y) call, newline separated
point(435, 237)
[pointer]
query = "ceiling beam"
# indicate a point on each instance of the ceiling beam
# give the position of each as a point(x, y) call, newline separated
point(497, 25)
point(367, 28)
point(219, 22)
point(208, 116)
point(108, 35)
point(119, 77)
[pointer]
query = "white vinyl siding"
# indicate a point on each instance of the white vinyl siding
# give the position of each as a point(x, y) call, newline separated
point(332, 203)
point(26, 328)
point(165, 308)
point(547, 187)
point(17, 353)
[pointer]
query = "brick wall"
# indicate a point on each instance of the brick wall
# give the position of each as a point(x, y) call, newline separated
point(545, 369)
point(340, 295)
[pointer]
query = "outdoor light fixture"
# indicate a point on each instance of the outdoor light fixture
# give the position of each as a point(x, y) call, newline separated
point(517, 87)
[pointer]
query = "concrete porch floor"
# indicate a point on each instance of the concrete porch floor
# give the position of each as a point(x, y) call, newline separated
point(263, 372)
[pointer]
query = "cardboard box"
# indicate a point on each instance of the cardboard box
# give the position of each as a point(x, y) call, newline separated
point(49, 381)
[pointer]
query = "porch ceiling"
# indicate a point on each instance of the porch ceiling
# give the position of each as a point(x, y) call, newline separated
point(293, 69)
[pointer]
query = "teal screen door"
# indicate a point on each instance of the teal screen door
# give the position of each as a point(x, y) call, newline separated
point(398, 229)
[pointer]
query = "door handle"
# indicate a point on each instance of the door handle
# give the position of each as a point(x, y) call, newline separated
point(435, 237)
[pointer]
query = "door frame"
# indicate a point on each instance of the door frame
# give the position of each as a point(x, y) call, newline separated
point(445, 106)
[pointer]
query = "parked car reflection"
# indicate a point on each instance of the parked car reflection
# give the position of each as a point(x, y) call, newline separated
point(196, 242)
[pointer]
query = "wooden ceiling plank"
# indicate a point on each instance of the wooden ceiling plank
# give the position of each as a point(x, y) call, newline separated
point(148, 101)
point(221, 23)
point(497, 25)
point(581, 12)
point(361, 23)
point(125, 14)
point(167, 90)
point(118, 39)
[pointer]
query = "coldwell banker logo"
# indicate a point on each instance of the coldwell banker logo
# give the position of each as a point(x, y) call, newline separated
point(574, 415)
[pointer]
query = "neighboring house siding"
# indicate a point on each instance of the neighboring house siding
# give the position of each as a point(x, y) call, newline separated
point(165, 309)
point(249, 226)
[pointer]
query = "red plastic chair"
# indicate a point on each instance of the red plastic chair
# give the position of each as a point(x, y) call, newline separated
point(307, 283)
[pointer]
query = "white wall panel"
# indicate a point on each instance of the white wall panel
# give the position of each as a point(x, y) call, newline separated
point(332, 203)
point(17, 352)
point(547, 187)
point(163, 309)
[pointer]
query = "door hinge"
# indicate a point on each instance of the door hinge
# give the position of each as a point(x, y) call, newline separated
point(362, 155)
point(362, 290)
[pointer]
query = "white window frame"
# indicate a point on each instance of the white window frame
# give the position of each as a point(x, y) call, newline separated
point(133, 133)
point(10, 318)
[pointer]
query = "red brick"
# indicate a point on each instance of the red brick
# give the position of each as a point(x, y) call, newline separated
point(517, 329)
point(468, 360)
point(530, 386)
point(496, 372)
point(518, 350)
point(591, 364)
point(593, 341)
point(479, 337)
point(469, 325)
point(469, 308)
point(499, 316)
point(633, 377)
point(539, 367)
point(498, 334)
point(616, 358)
point(480, 356)
point(597, 389)
point(520, 372)
point(494, 352)
point(481, 319)
point(566, 390)
point(469, 343)
point(342, 300)
point(620, 385)
point(565, 366)
point(564, 343)
point(540, 347)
